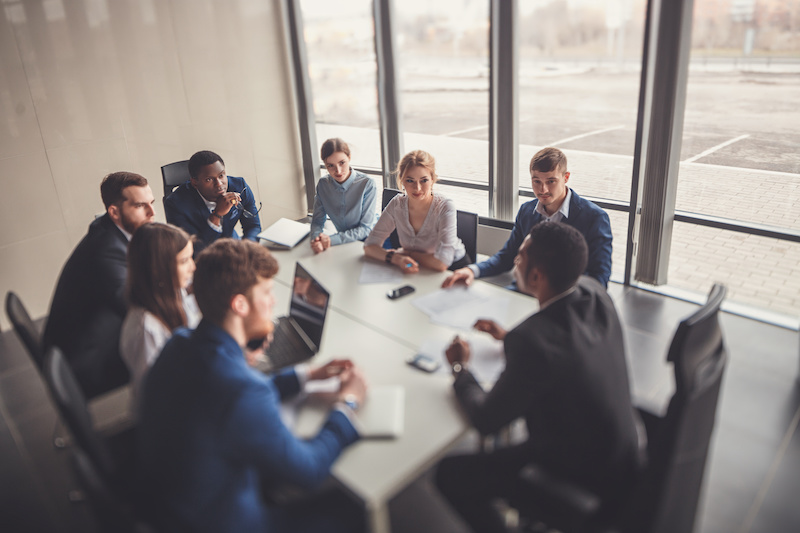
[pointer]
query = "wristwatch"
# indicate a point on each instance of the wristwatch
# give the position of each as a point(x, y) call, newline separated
point(457, 368)
point(351, 401)
point(389, 256)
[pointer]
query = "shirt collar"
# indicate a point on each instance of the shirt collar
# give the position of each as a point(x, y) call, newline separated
point(557, 297)
point(127, 235)
point(347, 183)
point(563, 211)
point(209, 205)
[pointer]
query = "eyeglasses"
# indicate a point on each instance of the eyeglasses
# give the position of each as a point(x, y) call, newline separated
point(245, 212)
point(248, 214)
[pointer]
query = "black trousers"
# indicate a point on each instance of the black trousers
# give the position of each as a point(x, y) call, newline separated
point(471, 482)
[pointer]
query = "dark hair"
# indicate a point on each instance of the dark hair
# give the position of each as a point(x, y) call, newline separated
point(331, 146)
point(549, 159)
point(416, 158)
point(153, 272)
point(226, 268)
point(113, 186)
point(201, 159)
point(559, 251)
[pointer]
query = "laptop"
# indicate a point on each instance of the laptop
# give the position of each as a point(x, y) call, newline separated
point(285, 234)
point(297, 337)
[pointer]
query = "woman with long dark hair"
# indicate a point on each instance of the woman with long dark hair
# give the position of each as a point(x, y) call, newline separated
point(160, 269)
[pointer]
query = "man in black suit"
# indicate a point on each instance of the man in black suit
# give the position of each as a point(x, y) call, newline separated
point(565, 373)
point(88, 305)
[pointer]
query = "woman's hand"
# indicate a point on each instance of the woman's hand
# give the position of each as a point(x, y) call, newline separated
point(406, 263)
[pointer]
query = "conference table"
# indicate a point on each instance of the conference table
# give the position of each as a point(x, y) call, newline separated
point(379, 335)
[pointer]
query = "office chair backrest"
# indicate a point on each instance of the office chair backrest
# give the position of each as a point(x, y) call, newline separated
point(71, 405)
point(113, 510)
point(25, 328)
point(679, 447)
point(467, 229)
point(173, 175)
point(388, 194)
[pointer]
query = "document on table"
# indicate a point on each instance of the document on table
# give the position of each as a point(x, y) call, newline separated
point(460, 307)
point(487, 359)
point(372, 272)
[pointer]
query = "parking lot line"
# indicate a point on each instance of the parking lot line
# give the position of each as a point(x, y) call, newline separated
point(588, 134)
point(717, 147)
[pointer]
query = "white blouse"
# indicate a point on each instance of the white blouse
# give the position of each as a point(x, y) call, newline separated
point(437, 235)
point(143, 336)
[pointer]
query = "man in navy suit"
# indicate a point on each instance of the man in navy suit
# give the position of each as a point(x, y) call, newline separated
point(555, 202)
point(211, 203)
point(565, 374)
point(88, 305)
point(210, 435)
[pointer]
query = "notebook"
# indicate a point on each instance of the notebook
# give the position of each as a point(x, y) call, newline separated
point(285, 234)
point(381, 417)
point(297, 337)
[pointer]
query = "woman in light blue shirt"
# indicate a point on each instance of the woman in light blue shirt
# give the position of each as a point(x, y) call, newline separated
point(346, 196)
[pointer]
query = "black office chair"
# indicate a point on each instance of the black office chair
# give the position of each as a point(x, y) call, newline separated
point(467, 230)
point(393, 241)
point(173, 175)
point(665, 496)
point(25, 328)
point(113, 510)
point(112, 456)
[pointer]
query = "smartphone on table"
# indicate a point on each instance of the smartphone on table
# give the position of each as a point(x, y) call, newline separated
point(400, 291)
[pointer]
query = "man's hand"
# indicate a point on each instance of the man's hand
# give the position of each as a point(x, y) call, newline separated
point(320, 243)
point(225, 202)
point(491, 327)
point(462, 275)
point(458, 351)
point(335, 367)
point(353, 383)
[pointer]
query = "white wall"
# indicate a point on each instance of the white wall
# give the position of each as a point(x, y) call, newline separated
point(92, 87)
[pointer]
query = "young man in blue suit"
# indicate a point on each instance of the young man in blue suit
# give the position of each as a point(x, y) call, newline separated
point(211, 203)
point(210, 435)
point(555, 202)
point(565, 375)
point(88, 305)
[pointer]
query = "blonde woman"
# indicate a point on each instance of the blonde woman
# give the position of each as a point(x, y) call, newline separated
point(425, 222)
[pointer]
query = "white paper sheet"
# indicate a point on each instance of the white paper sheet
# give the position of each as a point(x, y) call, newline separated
point(460, 307)
point(372, 272)
point(487, 359)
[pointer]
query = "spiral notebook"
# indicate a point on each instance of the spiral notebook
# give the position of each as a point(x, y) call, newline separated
point(285, 234)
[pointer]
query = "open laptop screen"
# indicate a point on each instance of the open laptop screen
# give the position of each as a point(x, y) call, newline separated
point(309, 304)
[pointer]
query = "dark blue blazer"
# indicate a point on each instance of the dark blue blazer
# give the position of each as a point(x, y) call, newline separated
point(584, 216)
point(89, 306)
point(210, 437)
point(185, 208)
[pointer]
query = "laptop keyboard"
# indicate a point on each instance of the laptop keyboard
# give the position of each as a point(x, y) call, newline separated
point(286, 348)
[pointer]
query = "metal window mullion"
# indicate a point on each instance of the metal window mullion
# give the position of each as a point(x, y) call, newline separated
point(503, 110)
point(306, 120)
point(388, 90)
point(668, 63)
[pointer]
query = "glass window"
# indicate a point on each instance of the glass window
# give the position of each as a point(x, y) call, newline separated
point(579, 69)
point(739, 157)
point(340, 46)
point(443, 58)
point(758, 271)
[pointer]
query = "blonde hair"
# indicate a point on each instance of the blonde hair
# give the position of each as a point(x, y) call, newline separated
point(416, 158)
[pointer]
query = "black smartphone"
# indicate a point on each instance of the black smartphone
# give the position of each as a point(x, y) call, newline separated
point(423, 362)
point(400, 291)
